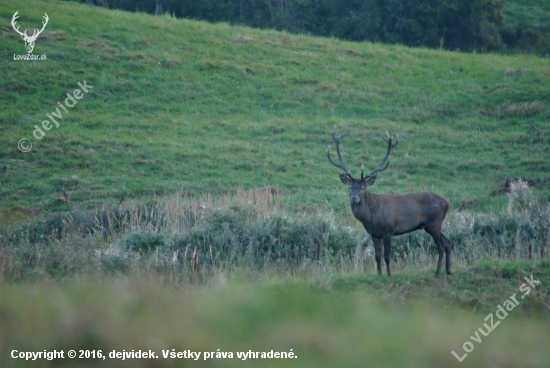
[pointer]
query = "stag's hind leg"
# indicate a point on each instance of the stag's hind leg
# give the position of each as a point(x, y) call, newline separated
point(448, 249)
point(438, 240)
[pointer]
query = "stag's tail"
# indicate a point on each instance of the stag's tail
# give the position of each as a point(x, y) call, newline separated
point(448, 244)
point(448, 206)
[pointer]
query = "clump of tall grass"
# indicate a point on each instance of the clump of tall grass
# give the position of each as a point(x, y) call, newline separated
point(519, 231)
point(182, 238)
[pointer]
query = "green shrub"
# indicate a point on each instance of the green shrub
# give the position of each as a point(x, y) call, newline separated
point(143, 242)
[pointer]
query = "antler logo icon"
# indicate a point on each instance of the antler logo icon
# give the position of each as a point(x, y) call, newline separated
point(29, 40)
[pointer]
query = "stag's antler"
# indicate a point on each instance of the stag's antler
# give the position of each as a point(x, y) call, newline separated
point(336, 138)
point(383, 165)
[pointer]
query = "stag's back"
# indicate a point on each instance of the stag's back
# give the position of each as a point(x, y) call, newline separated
point(401, 214)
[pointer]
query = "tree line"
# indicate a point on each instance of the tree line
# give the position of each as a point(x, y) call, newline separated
point(464, 25)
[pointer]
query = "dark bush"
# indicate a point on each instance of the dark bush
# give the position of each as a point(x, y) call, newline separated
point(239, 233)
point(143, 242)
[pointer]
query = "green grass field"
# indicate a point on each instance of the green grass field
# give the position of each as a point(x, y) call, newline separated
point(182, 104)
point(185, 202)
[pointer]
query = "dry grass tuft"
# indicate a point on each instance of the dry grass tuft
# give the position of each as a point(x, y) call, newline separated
point(522, 109)
point(517, 71)
point(514, 110)
point(243, 39)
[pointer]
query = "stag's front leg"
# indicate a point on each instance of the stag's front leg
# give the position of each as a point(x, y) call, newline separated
point(378, 253)
point(387, 252)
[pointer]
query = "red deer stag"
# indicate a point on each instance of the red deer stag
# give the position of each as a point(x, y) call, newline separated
point(384, 215)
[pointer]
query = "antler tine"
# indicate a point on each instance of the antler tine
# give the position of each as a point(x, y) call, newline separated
point(13, 20)
point(383, 165)
point(36, 32)
point(336, 138)
point(388, 139)
point(46, 18)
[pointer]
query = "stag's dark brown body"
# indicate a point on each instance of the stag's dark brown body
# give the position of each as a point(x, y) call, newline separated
point(384, 216)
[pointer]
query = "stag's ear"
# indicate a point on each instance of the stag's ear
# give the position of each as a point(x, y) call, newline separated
point(346, 179)
point(370, 180)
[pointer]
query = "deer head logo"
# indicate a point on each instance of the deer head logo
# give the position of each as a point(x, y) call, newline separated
point(29, 40)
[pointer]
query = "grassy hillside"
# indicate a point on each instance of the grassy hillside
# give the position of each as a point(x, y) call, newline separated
point(187, 105)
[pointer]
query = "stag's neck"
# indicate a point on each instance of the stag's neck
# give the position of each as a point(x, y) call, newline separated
point(364, 210)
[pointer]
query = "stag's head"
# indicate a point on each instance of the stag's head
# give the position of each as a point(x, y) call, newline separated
point(358, 186)
point(29, 40)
